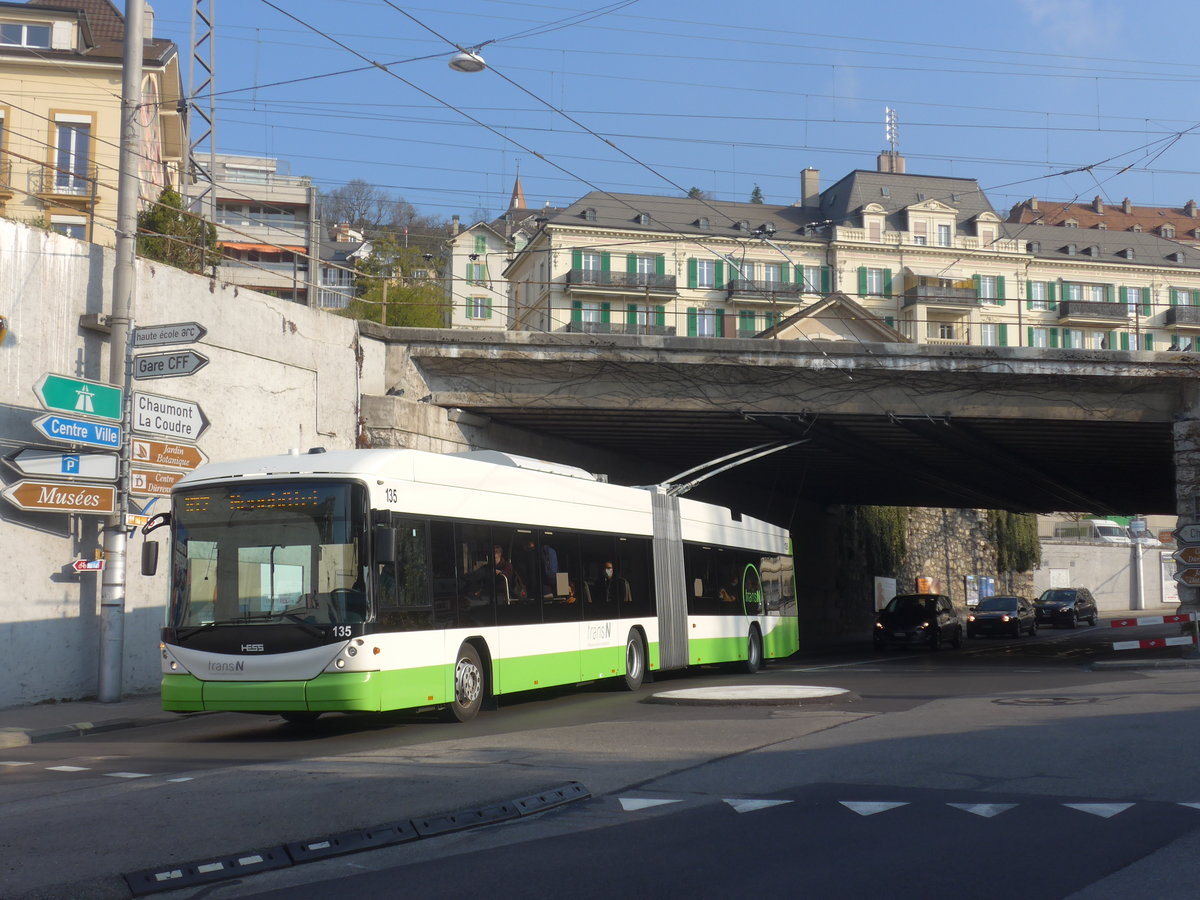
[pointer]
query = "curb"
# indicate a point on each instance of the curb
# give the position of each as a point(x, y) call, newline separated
point(1147, 664)
point(21, 737)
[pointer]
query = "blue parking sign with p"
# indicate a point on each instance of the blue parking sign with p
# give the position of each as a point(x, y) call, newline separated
point(70, 463)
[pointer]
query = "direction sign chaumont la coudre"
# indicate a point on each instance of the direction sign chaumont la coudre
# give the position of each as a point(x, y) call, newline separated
point(163, 415)
point(62, 496)
point(161, 335)
point(56, 463)
point(74, 395)
point(79, 431)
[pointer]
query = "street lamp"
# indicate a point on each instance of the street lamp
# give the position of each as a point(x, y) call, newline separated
point(467, 61)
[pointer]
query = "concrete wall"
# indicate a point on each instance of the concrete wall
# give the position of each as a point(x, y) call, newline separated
point(279, 376)
point(1108, 571)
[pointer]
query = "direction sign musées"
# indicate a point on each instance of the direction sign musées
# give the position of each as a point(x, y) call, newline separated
point(75, 395)
point(61, 496)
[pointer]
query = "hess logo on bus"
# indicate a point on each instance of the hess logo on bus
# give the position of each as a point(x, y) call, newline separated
point(252, 648)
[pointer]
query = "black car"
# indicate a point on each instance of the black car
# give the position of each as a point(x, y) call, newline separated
point(1008, 615)
point(927, 620)
point(1066, 606)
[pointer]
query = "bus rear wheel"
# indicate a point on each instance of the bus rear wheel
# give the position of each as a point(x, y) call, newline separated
point(635, 660)
point(754, 653)
point(468, 684)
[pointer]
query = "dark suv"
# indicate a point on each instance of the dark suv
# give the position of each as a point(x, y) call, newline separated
point(1066, 606)
point(928, 620)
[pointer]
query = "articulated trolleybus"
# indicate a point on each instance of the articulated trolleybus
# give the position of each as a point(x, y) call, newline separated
point(371, 580)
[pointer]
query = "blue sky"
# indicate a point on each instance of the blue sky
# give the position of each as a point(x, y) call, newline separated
point(717, 95)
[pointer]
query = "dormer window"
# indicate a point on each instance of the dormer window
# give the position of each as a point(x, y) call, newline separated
point(1069, 249)
point(702, 222)
point(1167, 231)
point(1071, 223)
point(1135, 227)
point(743, 225)
point(920, 198)
point(589, 214)
point(1102, 226)
point(1034, 246)
point(885, 192)
point(19, 34)
point(1127, 253)
point(1093, 250)
point(642, 219)
point(1176, 257)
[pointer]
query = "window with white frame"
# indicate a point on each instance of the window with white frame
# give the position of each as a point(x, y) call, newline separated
point(943, 235)
point(589, 262)
point(771, 273)
point(740, 269)
point(20, 34)
point(812, 279)
point(1095, 293)
point(1038, 298)
point(479, 307)
point(706, 323)
point(1073, 337)
point(944, 330)
point(989, 288)
point(875, 281)
point(590, 311)
point(71, 226)
point(1097, 340)
point(645, 265)
point(1131, 297)
point(989, 334)
point(1039, 337)
point(920, 233)
point(476, 273)
point(1072, 291)
point(72, 154)
point(706, 273)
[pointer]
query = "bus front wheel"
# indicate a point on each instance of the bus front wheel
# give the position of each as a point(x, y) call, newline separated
point(468, 684)
point(754, 653)
point(635, 660)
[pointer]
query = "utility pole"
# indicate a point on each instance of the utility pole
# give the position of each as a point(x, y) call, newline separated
point(124, 283)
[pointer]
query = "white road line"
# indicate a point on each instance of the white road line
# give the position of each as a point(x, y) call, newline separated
point(987, 810)
point(630, 804)
point(69, 768)
point(869, 808)
point(745, 806)
point(14, 763)
point(1103, 810)
point(126, 775)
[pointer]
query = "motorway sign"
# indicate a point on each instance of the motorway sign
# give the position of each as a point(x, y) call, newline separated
point(160, 335)
point(56, 463)
point(74, 395)
point(79, 431)
point(160, 453)
point(152, 482)
point(1187, 534)
point(182, 419)
point(169, 364)
point(1189, 575)
point(62, 496)
point(88, 565)
point(1189, 555)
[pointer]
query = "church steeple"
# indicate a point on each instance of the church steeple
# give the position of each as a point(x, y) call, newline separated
point(517, 201)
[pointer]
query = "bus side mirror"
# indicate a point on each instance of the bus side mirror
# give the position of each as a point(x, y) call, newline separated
point(385, 545)
point(149, 557)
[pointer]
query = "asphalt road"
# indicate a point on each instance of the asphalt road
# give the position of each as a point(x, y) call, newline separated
point(714, 801)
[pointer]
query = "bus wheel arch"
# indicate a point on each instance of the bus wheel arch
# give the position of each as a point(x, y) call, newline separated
point(472, 684)
point(637, 658)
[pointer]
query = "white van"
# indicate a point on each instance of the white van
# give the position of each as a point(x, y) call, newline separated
point(1104, 530)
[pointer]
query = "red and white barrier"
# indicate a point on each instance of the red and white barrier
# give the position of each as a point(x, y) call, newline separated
point(1153, 620)
point(1154, 642)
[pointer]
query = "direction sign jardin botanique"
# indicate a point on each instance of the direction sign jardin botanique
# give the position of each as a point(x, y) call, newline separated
point(79, 431)
point(1189, 576)
point(84, 398)
point(174, 456)
point(60, 464)
point(161, 335)
point(61, 496)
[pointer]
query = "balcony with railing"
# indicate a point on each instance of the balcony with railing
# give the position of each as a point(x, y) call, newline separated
point(619, 328)
point(940, 295)
point(746, 290)
point(633, 283)
point(6, 183)
point(1184, 318)
point(1091, 312)
point(56, 183)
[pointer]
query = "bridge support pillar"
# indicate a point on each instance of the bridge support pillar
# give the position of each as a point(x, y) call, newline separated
point(1187, 483)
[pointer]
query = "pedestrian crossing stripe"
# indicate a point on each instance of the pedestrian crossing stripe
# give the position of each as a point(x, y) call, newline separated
point(630, 804)
point(869, 808)
point(1103, 810)
point(987, 810)
point(745, 806)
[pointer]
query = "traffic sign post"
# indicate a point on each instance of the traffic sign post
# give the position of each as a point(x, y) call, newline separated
point(171, 364)
point(79, 431)
point(59, 496)
point(181, 419)
point(161, 335)
point(160, 453)
point(75, 395)
point(55, 463)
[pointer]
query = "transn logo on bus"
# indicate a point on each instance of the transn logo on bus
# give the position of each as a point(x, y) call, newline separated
point(252, 648)
point(226, 666)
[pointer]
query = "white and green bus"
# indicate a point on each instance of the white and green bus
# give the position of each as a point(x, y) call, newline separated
point(372, 580)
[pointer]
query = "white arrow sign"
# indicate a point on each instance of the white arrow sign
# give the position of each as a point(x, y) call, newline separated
point(167, 416)
point(177, 333)
point(55, 463)
point(168, 364)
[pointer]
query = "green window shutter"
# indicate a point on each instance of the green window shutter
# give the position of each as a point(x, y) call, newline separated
point(692, 273)
point(605, 261)
point(631, 261)
point(799, 274)
point(889, 321)
point(1000, 290)
point(691, 317)
point(783, 273)
point(660, 316)
point(1051, 294)
point(1003, 330)
point(660, 264)
point(719, 276)
point(862, 281)
point(1110, 342)
point(826, 279)
point(746, 321)
point(1174, 297)
point(1146, 301)
point(576, 310)
point(576, 259)
point(1149, 340)
point(1124, 340)
point(487, 308)
point(1109, 294)
point(631, 314)
point(887, 282)
point(720, 321)
point(606, 313)
point(1053, 337)
point(480, 244)
point(1067, 338)
point(975, 278)
point(1029, 337)
point(1029, 294)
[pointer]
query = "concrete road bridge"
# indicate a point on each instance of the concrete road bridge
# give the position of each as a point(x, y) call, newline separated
point(1022, 429)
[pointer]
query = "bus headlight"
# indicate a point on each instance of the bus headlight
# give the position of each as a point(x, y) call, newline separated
point(341, 664)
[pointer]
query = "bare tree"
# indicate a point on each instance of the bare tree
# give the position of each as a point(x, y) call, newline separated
point(367, 207)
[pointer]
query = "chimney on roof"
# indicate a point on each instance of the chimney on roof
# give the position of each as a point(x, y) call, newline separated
point(1033, 204)
point(1190, 209)
point(810, 188)
point(1097, 204)
point(454, 225)
point(1126, 206)
point(891, 162)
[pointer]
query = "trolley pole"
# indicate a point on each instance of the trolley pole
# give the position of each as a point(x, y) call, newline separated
point(112, 594)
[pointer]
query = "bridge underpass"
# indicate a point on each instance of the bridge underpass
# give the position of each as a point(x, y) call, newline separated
point(906, 425)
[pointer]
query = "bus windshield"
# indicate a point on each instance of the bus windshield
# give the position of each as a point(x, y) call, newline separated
point(269, 552)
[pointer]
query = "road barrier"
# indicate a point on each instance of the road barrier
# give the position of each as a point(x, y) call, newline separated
point(1151, 643)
